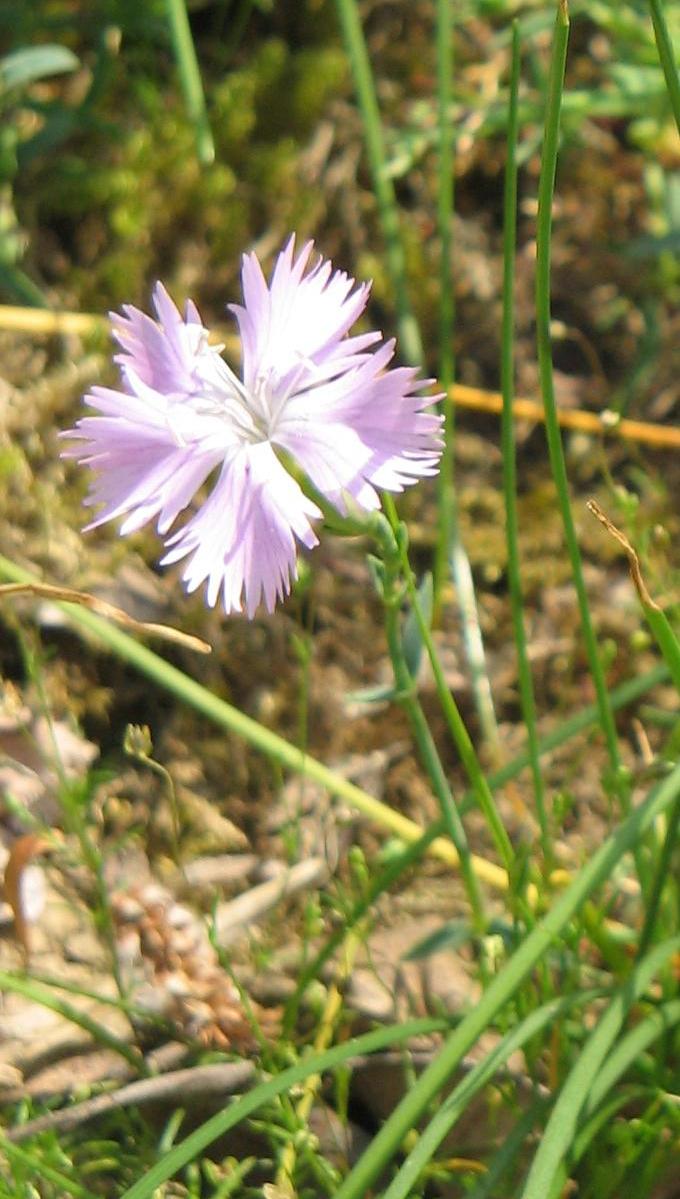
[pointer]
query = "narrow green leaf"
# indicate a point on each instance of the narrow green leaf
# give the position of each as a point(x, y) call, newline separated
point(546, 190)
point(412, 639)
point(99, 1033)
point(561, 1127)
point(190, 79)
point(452, 1108)
point(526, 685)
point(667, 56)
point(34, 62)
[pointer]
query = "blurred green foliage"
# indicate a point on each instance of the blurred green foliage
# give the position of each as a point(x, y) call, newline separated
point(108, 186)
point(103, 192)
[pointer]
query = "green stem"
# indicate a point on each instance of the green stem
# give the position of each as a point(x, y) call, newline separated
point(389, 540)
point(667, 55)
point(190, 79)
point(543, 235)
point(662, 875)
point(509, 457)
point(409, 333)
point(454, 720)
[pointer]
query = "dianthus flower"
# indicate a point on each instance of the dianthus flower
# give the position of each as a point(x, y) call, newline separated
point(327, 400)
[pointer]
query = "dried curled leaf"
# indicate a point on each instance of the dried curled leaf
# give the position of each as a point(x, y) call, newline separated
point(109, 611)
point(23, 885)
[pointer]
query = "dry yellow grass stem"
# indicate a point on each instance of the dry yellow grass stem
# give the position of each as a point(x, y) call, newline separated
point(665, 437)
point(41, 321)
point(67, 595)
point(631, 553)
point(44, 322)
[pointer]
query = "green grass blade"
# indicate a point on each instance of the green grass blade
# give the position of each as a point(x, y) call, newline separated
point(502, 1160)
point(629, 1050)
point(663, 877)
point(546, 191)
point(509, 455)
point(407, 325)
point(240, 1109)
point(99, 1033)
point(450, 556)
point(503, 987)
point(667, 55)
point(561, 1127)
point(446, 497)
point(455, 1104)
point(190, 79)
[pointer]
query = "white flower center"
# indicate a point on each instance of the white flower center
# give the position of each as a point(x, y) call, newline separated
point(251, 413)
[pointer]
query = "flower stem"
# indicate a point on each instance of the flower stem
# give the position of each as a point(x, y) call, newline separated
point(455, 722)
point(394, 584)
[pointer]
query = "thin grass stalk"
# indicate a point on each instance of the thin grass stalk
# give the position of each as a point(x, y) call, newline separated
point(451, 557)
point(446, 496)
point(664, 875)
point(430, 757)
point(355, 44)
point(667, 55)
point(190, 79)
point(503, 988)
point(546, 191)
point(526, 686)
point(409, 333)
point(454, 720)
point(454, 1105)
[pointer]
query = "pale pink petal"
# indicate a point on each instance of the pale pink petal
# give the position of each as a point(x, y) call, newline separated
point(243, 539)
point(369, 428)
point(166, 355)
point(299, 318)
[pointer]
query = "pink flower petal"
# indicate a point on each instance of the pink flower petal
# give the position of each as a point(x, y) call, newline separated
point(242, 540)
